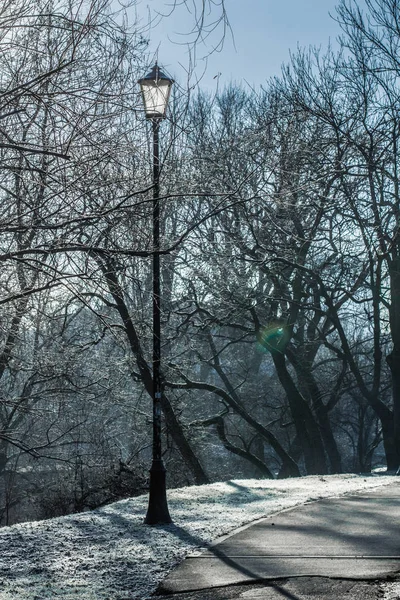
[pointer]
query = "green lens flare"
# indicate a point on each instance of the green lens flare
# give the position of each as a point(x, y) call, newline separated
point(273, 337)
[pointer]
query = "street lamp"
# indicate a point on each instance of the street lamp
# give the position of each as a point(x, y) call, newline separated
point(156, 89)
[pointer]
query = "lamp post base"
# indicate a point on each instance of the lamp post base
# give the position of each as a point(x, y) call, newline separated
point(157, 512)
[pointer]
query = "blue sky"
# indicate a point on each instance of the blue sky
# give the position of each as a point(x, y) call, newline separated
point(263, 30)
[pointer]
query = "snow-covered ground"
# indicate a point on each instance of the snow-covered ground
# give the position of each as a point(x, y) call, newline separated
point(109, 554)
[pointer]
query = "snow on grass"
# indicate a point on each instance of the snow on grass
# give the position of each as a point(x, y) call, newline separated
point(109, 554)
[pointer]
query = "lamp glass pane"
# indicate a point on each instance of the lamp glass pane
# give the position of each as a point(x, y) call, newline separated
point(155, 97)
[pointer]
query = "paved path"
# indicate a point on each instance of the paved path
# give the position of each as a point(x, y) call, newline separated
point(349, 538)
point(300, 588)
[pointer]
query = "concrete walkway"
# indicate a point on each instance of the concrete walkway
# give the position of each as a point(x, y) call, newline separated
point(349, 538)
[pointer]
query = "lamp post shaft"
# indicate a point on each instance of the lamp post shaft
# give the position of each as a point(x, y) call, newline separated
point(156, 296)
point(157, 511)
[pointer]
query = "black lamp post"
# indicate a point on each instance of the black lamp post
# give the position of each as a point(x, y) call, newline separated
point(156, 89)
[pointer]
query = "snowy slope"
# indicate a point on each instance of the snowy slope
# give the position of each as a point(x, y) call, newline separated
point(109, 554)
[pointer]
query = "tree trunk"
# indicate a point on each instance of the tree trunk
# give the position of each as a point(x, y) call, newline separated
point(389, 441)
point(393, 359)
point(3, 457)
point(322, 414)
point(306, 428)
point(303, 367)
point(179, 437)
